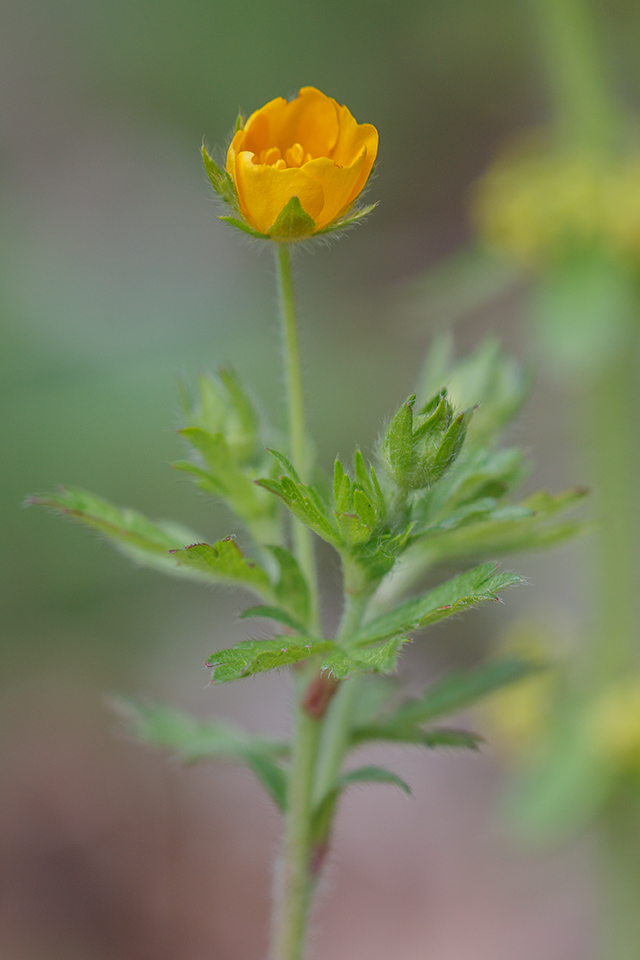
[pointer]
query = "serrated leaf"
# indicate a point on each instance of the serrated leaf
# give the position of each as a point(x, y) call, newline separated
point(224, 476)
point(241, 225)
point(147, 542)
point(286, 464)
point(373, 775)
point(274, 613)
point(259, 656)
point(523, 526)
point(466, 590)
point(194, 740)
point(412, 735)
point(303, 504)
point(292, 223)
point(460, 690)
point(224, 561)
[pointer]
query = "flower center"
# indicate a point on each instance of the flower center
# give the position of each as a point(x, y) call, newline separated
point(294, 156)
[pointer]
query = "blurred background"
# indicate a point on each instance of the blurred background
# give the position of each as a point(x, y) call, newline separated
point(116, 282)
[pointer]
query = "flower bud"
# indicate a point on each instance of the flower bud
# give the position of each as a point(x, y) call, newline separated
point(419, 448)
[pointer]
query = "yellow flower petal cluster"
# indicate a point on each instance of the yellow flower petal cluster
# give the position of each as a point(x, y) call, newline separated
point(310, 148)
point(537, 205)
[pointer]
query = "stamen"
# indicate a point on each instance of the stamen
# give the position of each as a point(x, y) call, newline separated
point(295, 155)
point(271, 156)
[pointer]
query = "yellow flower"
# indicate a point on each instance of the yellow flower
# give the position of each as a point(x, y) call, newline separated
point(298, 166)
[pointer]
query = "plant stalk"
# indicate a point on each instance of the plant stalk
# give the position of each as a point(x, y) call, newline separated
point(298, 444)
point(293, 880)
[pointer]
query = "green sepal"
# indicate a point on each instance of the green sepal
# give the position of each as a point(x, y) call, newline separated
point(193, 740)
point(220, 179)
point(349, 220)
point(292, 223)
point(224, 561)
point(274, 613)
point(144, 541)
point(466, 590)
point(259, 656)
point(241, 225)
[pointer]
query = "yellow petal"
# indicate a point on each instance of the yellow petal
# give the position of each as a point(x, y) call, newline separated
point(340, 185)
point(352, 138)
point(264, 191)
point(311, 120)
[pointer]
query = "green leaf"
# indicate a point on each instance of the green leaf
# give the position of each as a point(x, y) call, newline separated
point(259, 656)
point(147, 542)
point(524, 526)
point(460, 690)
point(466, 590)
point(292, 590)
point(241, 225)
point(305, 504)
point(224, 476)
point(224, 561)
point(438, 738)
point(373, 775)
point(292, 223)
point(274, 613)
point(194, 740)
point(324, 812)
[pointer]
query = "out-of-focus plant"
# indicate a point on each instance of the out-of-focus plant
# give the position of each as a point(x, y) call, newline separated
point(559, 213)
point(439, 488)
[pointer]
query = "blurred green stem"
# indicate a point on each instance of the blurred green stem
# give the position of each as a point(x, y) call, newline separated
point(620, 840)
point(610, 436)
point(587, 112)
point(298, 444)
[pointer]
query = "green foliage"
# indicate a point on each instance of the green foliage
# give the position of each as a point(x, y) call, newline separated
point(457, 691)
point(192, 740)
point(304, 501)
point(291, 589)
point(466, 590)
point(292, 223)
point(224, 562)
point(323, 814)
point(225, 433)
point(145, 541)
point(258, 656)
point(382, 658)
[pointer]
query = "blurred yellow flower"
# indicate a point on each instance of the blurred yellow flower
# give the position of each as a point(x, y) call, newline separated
point(308, 155)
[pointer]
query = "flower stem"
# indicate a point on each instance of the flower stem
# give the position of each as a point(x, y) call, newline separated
point(298, 445)
point(293, 880)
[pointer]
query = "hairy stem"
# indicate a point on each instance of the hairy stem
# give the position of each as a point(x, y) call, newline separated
point(294, 884)
point(298, 445)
